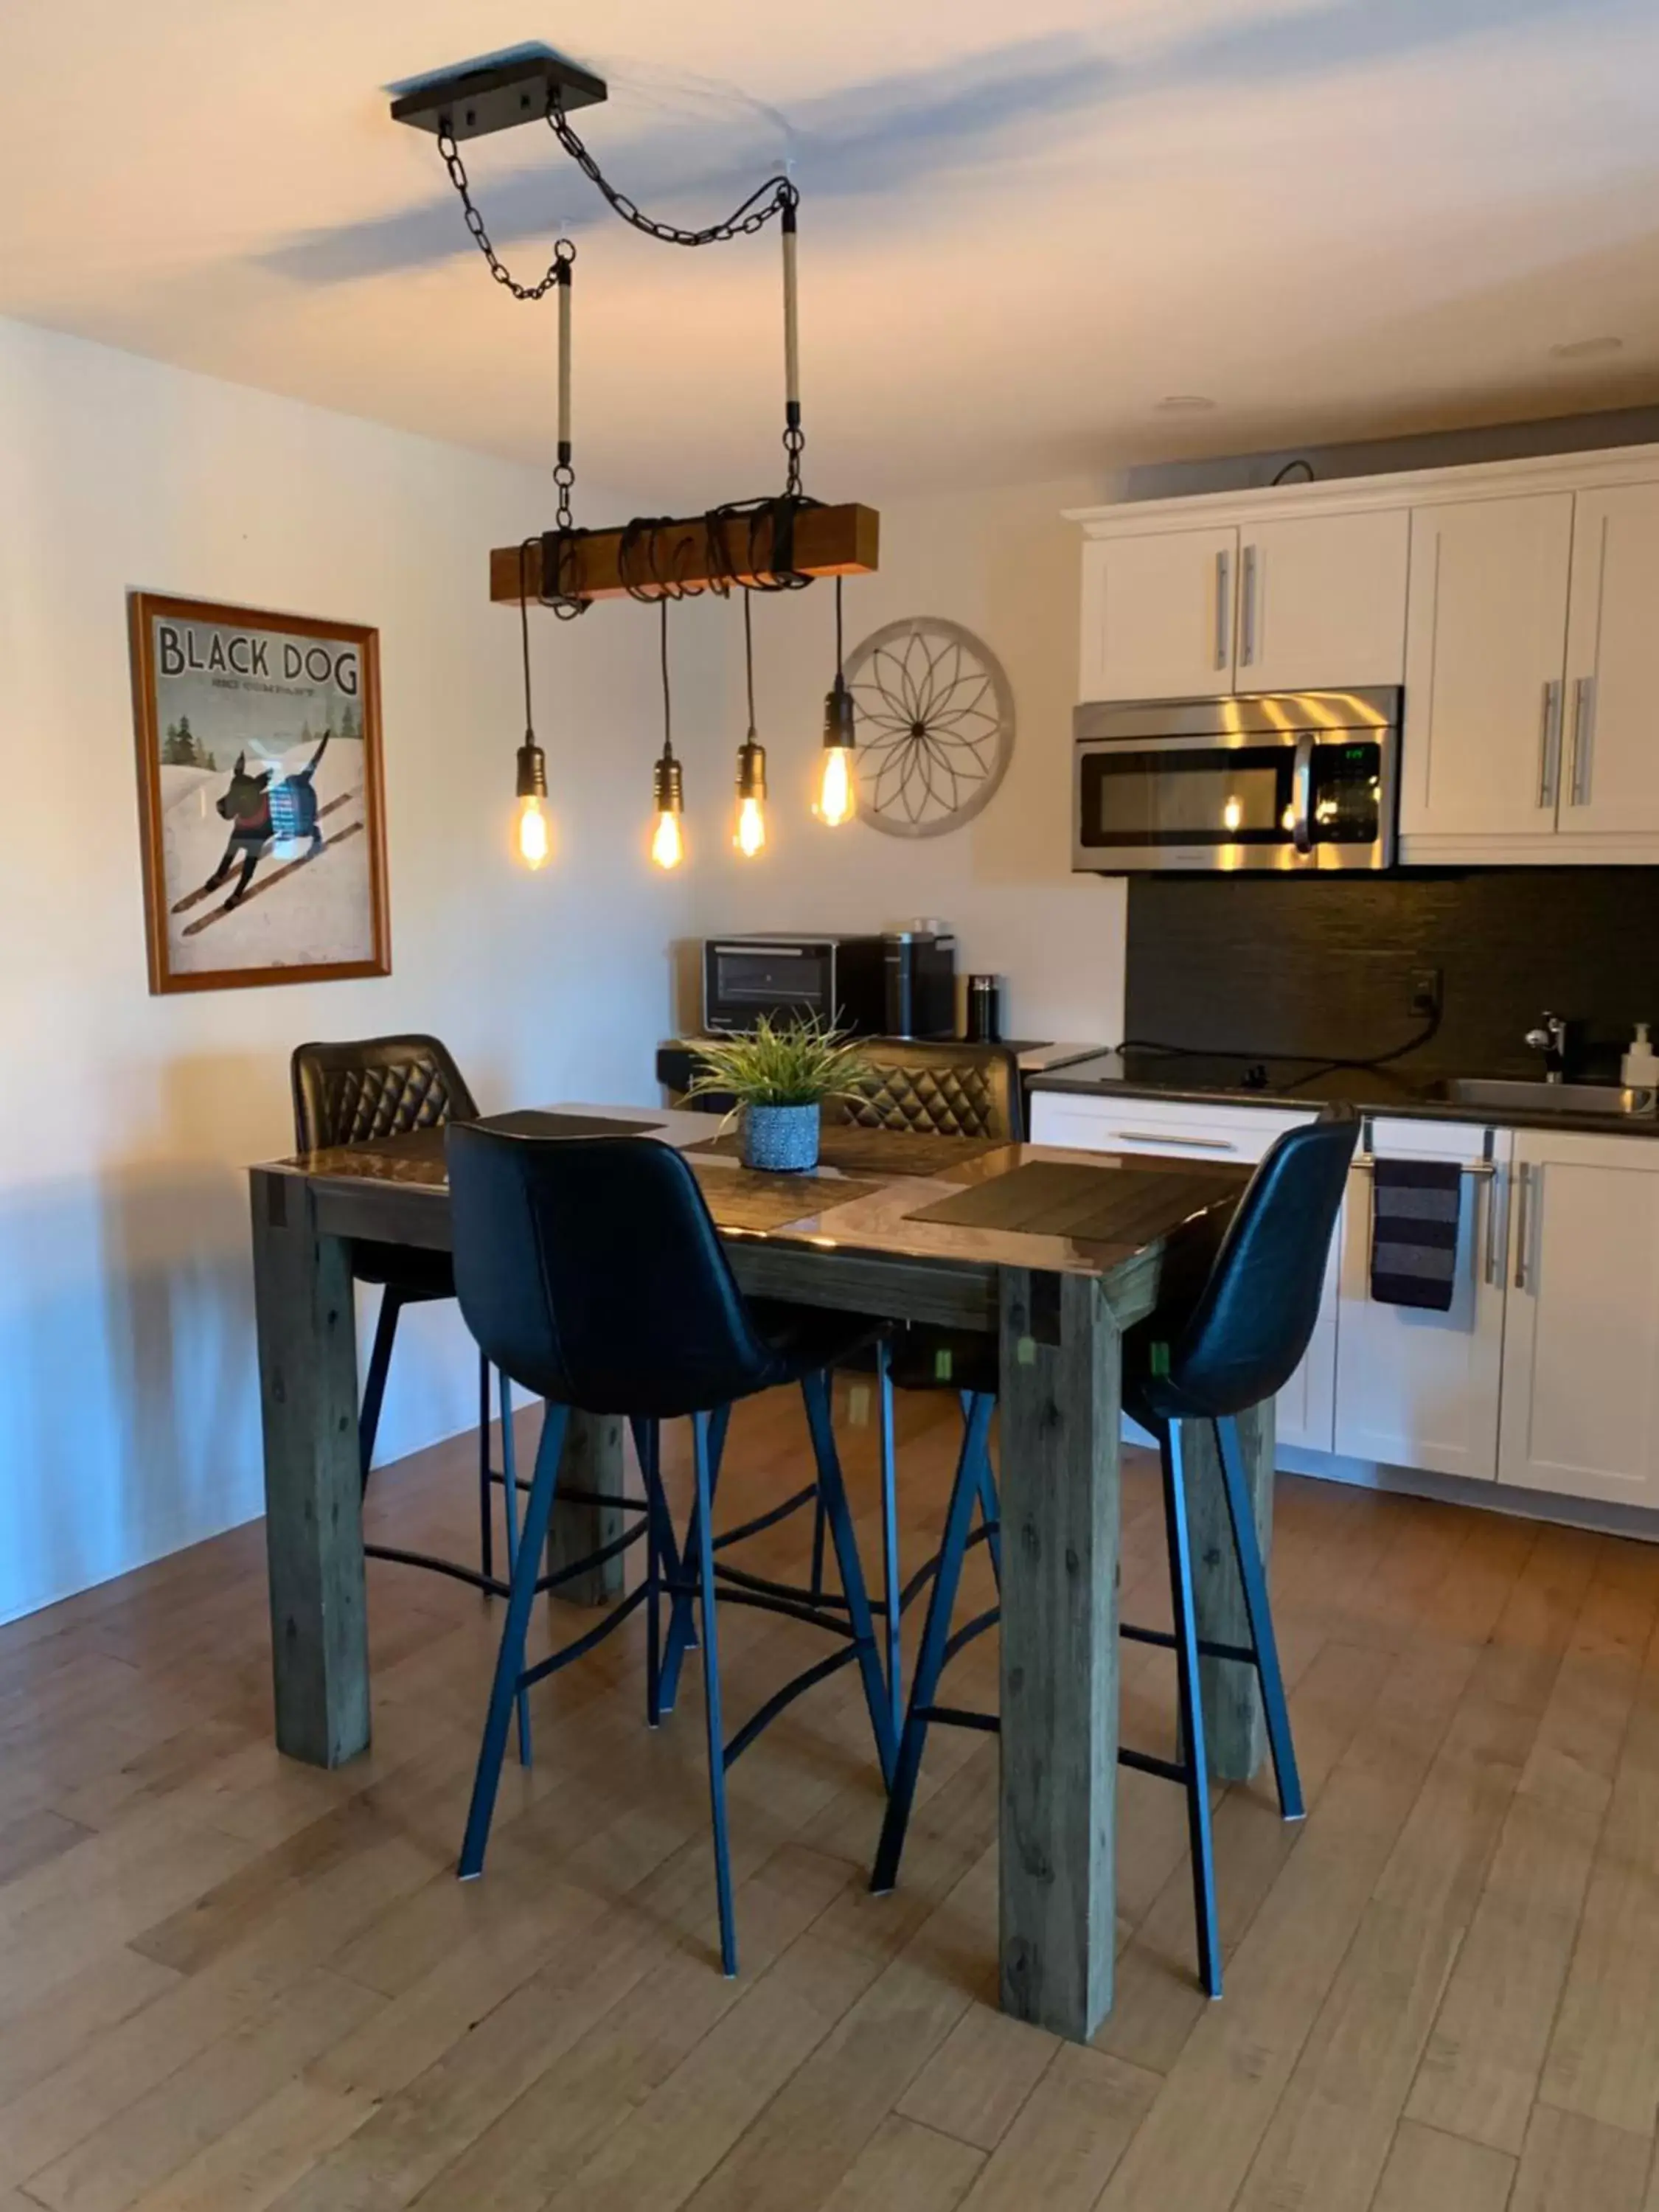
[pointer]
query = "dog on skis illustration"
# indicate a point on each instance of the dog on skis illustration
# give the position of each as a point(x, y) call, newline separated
point(263, 814)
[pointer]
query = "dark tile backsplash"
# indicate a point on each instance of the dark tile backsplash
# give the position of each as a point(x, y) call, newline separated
point(1270, 967)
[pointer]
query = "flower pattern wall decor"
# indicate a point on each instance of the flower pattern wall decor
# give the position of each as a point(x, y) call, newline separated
point(935, 726)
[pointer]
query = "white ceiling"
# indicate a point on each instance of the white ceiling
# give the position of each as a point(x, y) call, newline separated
point(1021, 229)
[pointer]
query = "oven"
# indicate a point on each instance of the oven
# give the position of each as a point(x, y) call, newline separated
point(837, 981)
point(1292, 781)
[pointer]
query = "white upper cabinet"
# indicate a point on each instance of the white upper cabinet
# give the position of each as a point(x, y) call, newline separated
point(1481, 751)
point(1322, 602)
point(1581, 1345)
point(1305, 603)
point(1157, 615)
point(1610, 779)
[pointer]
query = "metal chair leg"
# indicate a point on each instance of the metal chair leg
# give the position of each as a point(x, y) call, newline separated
point(486, 1507)
point(930, 1659)
point(509, 1660)
point(682, 1625)
point(1192, 1708)
point(659, 1547)
point(380, 1361)
point(703, 1511)
point(510, 1491)
point(892, 1619)
point(1259, 1609)
point(988, 1509)
point(815, 1390)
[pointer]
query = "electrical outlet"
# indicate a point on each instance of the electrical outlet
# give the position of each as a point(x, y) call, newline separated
point(1425, 985)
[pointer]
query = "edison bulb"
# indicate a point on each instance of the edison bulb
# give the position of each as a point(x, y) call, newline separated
point(751, 828)
point(532, 832)
point(835, 800)
point(1232, 814)
point(667, 846)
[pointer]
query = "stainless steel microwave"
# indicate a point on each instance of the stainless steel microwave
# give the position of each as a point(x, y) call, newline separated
point(1287, 780)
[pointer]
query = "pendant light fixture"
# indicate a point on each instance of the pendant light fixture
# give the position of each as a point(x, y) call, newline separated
point(837, 789)
point(750, 834)
point(667, 786)
point(773, 542)
point(532, 837)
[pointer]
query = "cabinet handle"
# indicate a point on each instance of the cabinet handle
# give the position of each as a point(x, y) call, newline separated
point(1495, 1197)
point(1549, 743)
point(1224, 570)
point(1584, 724)
point(1522, 1222)
point(1247, 592)
point(1186, 1144)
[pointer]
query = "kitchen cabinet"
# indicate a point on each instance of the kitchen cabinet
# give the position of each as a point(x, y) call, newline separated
point(1322, 602)
point(1610, 777)
point(1287, 604)
point(1414, 1387)
point(1581, 1354)
point(1235, 1135)
point(1157, 615)
point(1485, 668)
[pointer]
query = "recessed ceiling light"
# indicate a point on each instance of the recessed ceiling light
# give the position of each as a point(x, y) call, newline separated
point(1185, 403)
point(1587, 349)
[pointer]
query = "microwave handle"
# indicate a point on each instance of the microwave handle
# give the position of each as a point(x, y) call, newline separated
point(1302, 794)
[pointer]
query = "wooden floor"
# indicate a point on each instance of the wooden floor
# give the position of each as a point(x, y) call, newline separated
point(228, 1982)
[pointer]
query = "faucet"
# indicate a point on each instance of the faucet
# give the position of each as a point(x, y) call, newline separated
point(1550, 1037)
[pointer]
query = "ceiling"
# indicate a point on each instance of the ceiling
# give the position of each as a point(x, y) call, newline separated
point(1022, 229)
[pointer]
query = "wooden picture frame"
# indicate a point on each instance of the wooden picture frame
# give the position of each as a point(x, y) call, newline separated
point(226, 818)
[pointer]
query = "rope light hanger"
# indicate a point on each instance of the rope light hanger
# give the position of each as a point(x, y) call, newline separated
point(780, 542)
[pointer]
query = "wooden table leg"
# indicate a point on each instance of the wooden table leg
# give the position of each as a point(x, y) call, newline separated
point(1235, 1727)
point(307, 1341)
point(1060, 1395)
point(594, 1460)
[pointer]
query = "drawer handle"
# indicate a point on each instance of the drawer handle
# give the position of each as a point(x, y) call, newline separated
point(1164, 1136)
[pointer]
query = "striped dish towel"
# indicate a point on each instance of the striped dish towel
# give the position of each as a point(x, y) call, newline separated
point(1415, 1205)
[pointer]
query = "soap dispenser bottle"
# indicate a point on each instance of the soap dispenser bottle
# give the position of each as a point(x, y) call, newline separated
point(1640, 1069)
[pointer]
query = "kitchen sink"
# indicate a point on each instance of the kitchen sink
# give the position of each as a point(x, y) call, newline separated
point(1517, 1095)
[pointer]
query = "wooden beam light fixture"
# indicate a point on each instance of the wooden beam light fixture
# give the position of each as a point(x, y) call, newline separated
point(777, 543)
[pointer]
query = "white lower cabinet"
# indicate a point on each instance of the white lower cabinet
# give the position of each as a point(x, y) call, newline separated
point(1581, 1353)
point(1229, 1135)
point(1418, 1389)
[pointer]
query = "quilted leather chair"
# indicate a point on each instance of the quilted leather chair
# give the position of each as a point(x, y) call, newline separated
point(944, 1089)
point(354, 1093)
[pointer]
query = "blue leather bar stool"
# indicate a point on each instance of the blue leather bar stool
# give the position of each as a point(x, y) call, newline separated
point(1234, 1347)
point(590, 1272)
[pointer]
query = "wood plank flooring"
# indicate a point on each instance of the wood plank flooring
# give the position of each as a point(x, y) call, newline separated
point(229, 1982)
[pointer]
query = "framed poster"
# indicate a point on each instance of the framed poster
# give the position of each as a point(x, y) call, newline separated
point(259, 796)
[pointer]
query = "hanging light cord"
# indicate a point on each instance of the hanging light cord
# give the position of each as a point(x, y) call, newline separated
point(749, 659)
point(840, 656)
point(667, 704)
point(523, 628)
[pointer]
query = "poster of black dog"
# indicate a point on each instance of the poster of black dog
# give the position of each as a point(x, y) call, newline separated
point(259, 788)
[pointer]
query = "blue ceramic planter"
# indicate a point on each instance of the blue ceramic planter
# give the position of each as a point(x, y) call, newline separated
point(782, 1140)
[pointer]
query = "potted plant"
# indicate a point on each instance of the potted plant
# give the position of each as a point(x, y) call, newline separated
point(780, 1073)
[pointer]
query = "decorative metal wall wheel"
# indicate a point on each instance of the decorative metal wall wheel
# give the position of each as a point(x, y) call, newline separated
point(935, 726)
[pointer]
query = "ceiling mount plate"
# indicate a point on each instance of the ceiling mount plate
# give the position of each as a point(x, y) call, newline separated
point(479, 97)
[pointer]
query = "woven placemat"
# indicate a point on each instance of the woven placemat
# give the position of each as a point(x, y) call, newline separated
point(1062, 1198)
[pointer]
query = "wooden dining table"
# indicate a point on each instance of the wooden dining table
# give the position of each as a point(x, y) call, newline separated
point(1055, 1253)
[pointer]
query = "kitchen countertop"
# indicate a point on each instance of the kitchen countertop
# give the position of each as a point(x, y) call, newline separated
point(1205, 1078)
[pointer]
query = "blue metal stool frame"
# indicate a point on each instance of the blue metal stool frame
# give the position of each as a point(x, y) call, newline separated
point(688, 1575)
point(939, 1646)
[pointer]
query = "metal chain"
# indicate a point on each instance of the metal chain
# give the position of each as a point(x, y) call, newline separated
point(767, 201)
point(743, 221)
point(563, 251)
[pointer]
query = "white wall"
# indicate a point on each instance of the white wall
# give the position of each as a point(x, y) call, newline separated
point(1004, 563)
point(128, 1403)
